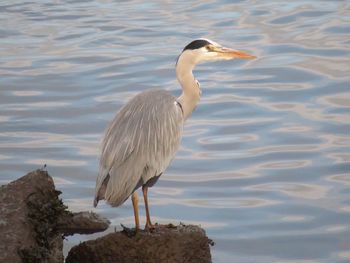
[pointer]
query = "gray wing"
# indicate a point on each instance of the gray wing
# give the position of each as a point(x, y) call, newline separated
point(139, 144)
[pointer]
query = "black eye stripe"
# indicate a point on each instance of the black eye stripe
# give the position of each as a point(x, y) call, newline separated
point(210, 48)
point(196, 44)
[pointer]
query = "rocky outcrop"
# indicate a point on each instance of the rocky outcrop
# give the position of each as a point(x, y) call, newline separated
point(167, 243)
point(33, 220)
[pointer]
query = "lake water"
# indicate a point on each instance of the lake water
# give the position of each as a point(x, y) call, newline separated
point(264, 164)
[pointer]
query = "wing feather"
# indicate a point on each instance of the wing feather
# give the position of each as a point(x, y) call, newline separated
point(146, 132)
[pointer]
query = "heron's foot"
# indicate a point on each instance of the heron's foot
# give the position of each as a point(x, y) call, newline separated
point(150, 227)
point(130, 232)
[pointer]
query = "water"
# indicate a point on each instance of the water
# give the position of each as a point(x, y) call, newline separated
point(264, 164)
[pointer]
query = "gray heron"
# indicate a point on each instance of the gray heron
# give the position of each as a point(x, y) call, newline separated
point(145, 134)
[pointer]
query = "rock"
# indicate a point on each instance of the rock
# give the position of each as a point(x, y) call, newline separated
point(164, 244)
point(33, 220)
point(82, 223)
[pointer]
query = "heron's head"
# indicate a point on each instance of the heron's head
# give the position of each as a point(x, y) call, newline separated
point(202, 50)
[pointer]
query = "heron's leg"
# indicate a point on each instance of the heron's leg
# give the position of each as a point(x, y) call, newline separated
point(135, 204)
point(148, 217)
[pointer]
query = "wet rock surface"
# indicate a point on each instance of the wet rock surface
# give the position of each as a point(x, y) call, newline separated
point(166, 243)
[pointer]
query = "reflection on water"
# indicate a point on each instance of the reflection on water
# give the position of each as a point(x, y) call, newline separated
point(294, 190)
point(264, 164)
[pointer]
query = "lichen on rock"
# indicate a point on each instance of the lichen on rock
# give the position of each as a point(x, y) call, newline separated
point(34, 220)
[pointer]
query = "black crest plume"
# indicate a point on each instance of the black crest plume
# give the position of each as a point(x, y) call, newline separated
point(195, 44)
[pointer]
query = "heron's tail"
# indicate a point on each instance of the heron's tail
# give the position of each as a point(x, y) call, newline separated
point(123, 181)
point(95, 201)
point(101, 190)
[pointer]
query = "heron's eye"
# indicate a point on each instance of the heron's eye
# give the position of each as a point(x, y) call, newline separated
point(210, 48)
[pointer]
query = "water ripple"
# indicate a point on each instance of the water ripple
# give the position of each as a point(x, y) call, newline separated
point(264, 162)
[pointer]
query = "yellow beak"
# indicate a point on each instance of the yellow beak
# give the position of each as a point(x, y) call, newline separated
point(236, 53)
point(227, 53)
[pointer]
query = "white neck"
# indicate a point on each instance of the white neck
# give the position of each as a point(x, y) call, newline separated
point(190, 89)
